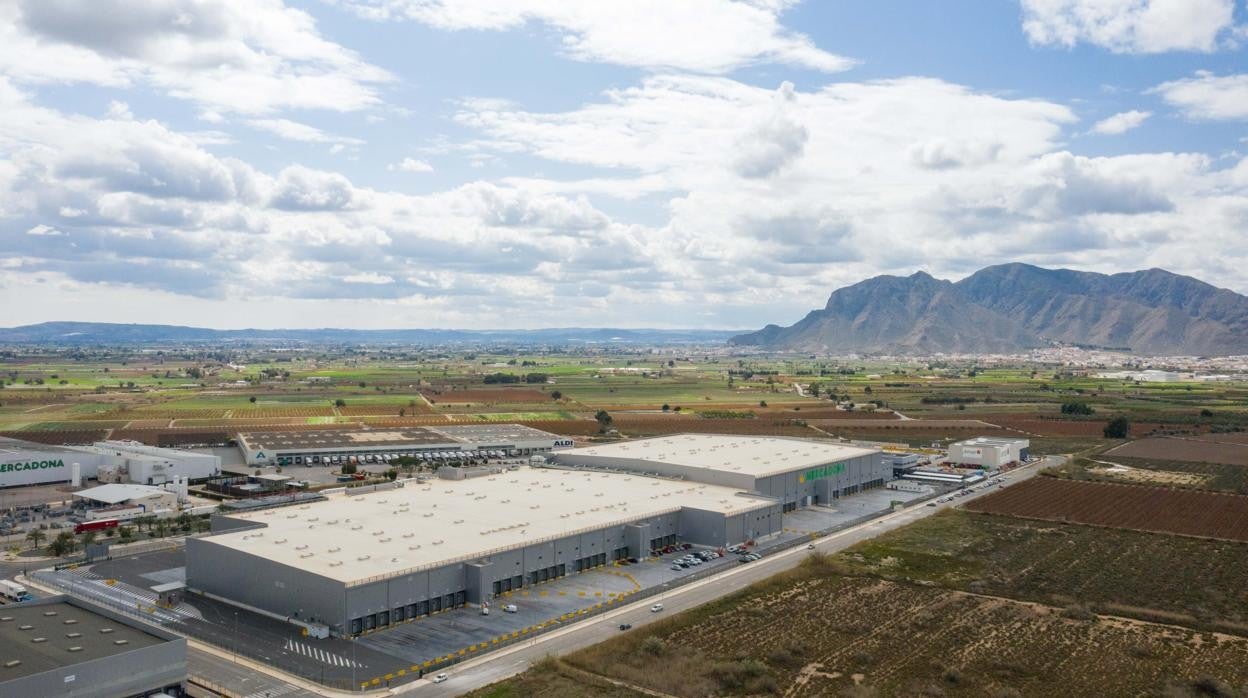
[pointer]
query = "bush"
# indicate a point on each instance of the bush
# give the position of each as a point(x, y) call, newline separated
point(1077, 408)
point(653, 645)
point(744, 676)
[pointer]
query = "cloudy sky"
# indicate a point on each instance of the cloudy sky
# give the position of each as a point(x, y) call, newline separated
point(643, 163)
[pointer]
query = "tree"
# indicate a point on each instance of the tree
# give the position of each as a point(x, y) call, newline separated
point(392, 474)
point(35, 536)
point(348, 468)
point(667, 407)
point(556, 395)
point(1118, 428)
point(63, 544)
point(252, 399)
point(814, 390)
point(604, 421)
point(1077, 408)
point(762, 403)
point(402, 412)
point(88, 538)
point(340, 403)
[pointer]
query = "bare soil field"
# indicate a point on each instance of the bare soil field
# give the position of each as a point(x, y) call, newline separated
point(1239, 437)
point(639, 425)
point(485, 395)
point(1196, 450)
point(814, 633)
point(1194, 582)
point(1162, 510)
point(903, 424)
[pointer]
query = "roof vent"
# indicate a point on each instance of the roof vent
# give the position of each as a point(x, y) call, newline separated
point(73, 635)
point(37, 640)
point(105, 631)
point(12, 663)
point(49, 613)
point(25, 627)
point(121, 642)
point(75, 648)
point(334, 549)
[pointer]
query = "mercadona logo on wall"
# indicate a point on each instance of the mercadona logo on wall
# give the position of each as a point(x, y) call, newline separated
point(31, 465)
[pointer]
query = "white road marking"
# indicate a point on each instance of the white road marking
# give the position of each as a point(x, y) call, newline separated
point(319, 654)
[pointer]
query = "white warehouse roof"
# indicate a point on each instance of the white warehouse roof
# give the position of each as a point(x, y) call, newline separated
point(116, 494)
point(758, 456)
point(356, 538)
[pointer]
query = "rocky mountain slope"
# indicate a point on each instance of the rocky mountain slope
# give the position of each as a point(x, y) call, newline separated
point(1012, 307)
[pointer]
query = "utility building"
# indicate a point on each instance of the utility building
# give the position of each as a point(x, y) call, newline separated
point(436, 444)
point(797, 472)
point(989, 453)
point(357, 562)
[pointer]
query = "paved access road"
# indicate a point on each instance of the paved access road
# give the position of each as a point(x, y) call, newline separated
point(500, 665)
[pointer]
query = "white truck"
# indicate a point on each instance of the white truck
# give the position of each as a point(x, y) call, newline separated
point(12, 591)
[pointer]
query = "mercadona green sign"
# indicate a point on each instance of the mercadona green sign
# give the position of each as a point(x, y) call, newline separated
point(821, 472)
point(31, 465)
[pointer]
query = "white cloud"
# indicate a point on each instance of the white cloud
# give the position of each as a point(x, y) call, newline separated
point(708, 36)
point(295, 131)
point(1130, 26)
point(246, 56)
point(410, 165)
point(44, 231)
point(1121, 122)
point(368, 277)
point(120, 110)
point(1208, 96)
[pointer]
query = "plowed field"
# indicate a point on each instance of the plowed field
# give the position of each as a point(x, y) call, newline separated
point(1183, 512)
point(1195, 450)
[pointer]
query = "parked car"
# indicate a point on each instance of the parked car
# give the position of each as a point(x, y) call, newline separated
point(626, 626)
point(439, 678)
point(677, 567)
point(810, 546)
point(656, 608)
point(510, 608)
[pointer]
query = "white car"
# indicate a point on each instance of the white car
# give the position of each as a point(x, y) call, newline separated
point(439, 678)
point(656, 608)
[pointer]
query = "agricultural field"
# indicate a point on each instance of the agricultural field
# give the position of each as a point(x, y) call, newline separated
point(918, 403)
point(1215, 477)
point(813, 632)
point(1195, 450)
point(1193, 582)
point(1136, 507)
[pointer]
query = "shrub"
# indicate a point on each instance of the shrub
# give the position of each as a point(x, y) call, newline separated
point(653, 645)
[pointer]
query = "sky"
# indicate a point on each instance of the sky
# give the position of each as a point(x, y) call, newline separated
point(642, 163)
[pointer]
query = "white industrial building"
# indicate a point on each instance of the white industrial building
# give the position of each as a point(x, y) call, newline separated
point(988, 452)
point(28, 463)
point(357, 562)
point(443, 444)
point(797, 472)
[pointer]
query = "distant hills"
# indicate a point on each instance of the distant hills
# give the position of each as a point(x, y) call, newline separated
point(1014, 307)
point(102, 333)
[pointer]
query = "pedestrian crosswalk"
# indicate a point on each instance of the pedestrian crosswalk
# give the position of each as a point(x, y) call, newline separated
point(273, 692)
point(319, 654)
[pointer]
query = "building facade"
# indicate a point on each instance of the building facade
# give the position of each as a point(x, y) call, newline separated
point(356, 563)
point(990, 453)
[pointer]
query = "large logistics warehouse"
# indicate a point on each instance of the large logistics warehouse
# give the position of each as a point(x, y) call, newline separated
point(797, 472)
point(435, 443)
point(988, 452)
point(359, 562)
point(60, 646)
point(27, 463)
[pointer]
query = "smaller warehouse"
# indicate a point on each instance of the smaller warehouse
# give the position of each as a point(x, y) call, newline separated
point(797, 472)
point(442, 444)
point(61, 646)
point(987, 452)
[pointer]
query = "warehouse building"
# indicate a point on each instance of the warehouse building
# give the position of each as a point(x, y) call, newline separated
point(131, 461)
point(436, 444)
point(354, 563)
point(29, 463)
point(61, 646)
point(797, 472)
point(987, 452)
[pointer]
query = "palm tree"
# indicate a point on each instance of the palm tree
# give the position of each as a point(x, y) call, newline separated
point(88, 538)
point(35, 536)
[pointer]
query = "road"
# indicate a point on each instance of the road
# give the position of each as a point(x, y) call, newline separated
point(500, 665)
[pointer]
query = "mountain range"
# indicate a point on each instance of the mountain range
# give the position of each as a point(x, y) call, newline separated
point(103, 333)
point(1015, 307)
